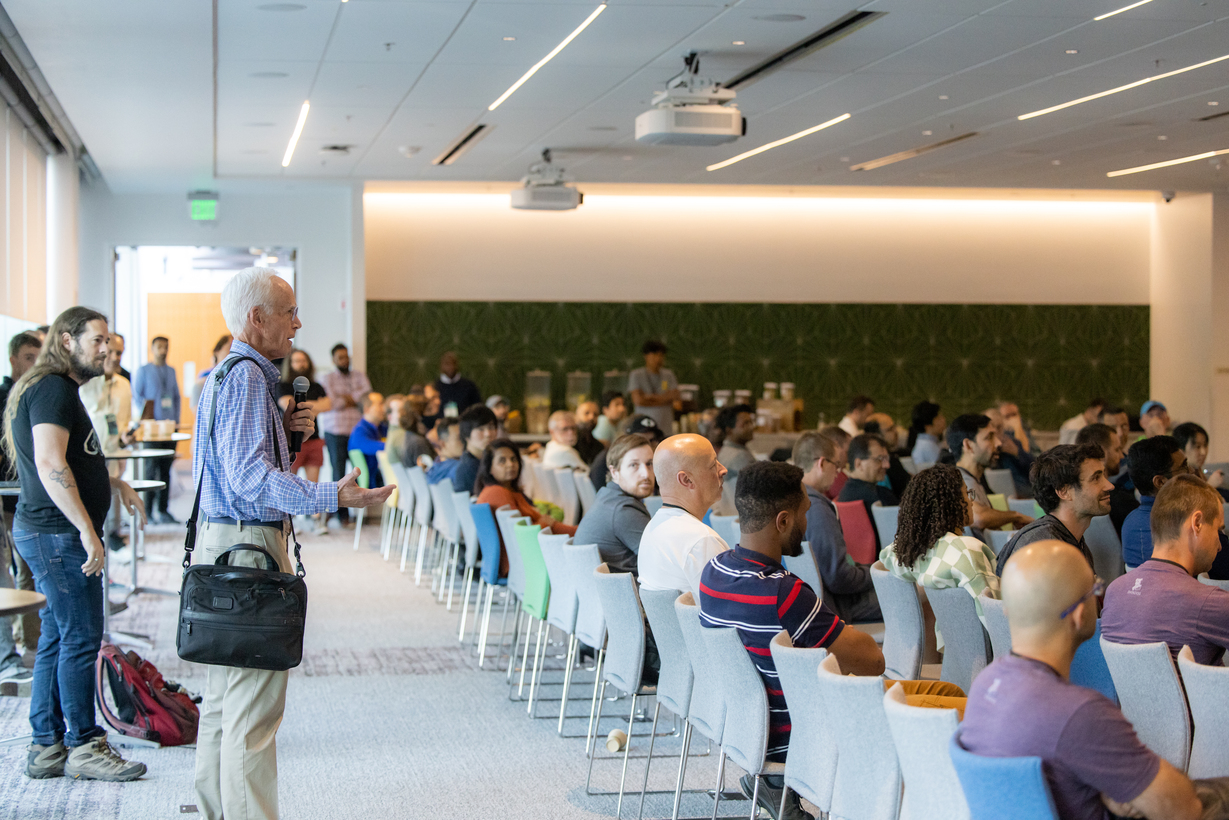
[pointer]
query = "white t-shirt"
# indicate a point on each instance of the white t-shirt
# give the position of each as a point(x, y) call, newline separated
point(1071, 428)
point(562, 457)
point(850, 426)
point(674, 550)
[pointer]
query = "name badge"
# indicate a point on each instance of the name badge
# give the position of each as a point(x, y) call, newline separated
point(112, 425)
point(168, 403)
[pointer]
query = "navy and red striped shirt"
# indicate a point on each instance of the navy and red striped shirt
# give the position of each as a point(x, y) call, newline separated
point(746, 590)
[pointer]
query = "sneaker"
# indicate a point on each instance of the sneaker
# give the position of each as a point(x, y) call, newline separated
point(123, 555)
point(43, 762)
point(96, 760)
point(12, 669)
point(770, 798)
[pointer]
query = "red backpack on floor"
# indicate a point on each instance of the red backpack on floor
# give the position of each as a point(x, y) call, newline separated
point(146, 706)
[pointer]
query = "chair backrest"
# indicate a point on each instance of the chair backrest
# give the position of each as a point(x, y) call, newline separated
point(904, 638)
point(860, 538)
point(1207, 693)
point(727, 527)
point(386, 468)
point(548, 488)
point(1001, 482)
point(488, 538)
point(908, 464)
point(359, 460)
point(1002, 788)
point(582, 560)
point(886, 519)
point(676, 680)
point(804, 567)
point(922, 737)
point(1106, 548)
point(529, 478)
point(506, 518)
point(810, 767)
point(1088, 668)
point(867, 782)
point(998, 501)
point(584, 489)
point(536, 595)
point(1212, 582)
point(1151, 697)
point(469, 530)
point(422, 495)
point(568, 496)
point(707, 713)
point(966, 646)
point(997, 539)
point(624, 628)
point(1024, 506)
point(561, 611)
point(653, 504)
point(996, 626)
point(745, 737)
point(405, 487)
point(446, 522)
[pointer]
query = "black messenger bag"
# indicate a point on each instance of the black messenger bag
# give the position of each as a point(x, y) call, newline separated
point(247, 617)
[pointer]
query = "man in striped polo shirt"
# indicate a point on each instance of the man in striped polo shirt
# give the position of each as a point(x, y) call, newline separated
point(747, 588)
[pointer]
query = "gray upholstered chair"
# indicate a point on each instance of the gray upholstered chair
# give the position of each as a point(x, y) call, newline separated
point(1207, 695)
point(568, 495)
point(727, 527)
point(1000, 481)
point(422, 517)
point(584, 490)
point(867, 785)
point(1151, 697)
point(507, 519)
point(885, 523)
point(1212, 582)
point(653, 504)
point(923, 737)
point(1106, 548)
point(676, 679)
point(997, 539)
point(582, 560)
point(561, 610)
point(966, 646)
point(996, 626)
point(707, 712)
point(469, 532)
point(449, 529)
point(904, 640)
point(810, 768)
point(804, 567)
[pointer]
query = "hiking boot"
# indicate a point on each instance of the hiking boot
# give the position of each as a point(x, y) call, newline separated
point(43, 762)
point(96, 760)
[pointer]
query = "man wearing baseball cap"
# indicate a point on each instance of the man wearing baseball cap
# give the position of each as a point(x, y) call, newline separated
point(1154, 419)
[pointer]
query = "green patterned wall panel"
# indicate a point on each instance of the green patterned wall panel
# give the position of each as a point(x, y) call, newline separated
point(1048, 358)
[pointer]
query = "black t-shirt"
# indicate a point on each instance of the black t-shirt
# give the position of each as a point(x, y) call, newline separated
point(7, 473)
point(315, 392)
point(55, 400)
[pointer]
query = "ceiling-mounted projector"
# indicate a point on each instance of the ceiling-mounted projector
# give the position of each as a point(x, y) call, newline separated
point(545, 188)
point(691, 111)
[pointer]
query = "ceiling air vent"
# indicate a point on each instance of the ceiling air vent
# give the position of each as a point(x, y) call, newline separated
point(462, 144)
point(336, 150)
point(826, 36)
point(910, 154)
point(1211, 117)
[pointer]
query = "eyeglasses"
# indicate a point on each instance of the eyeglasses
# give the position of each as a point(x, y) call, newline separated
point(294, 313)
point(1097, 588)
point(972, 496)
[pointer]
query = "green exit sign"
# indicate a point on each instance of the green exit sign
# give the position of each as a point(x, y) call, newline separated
point(204, 208)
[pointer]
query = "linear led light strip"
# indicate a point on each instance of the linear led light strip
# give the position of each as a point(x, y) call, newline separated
point(1167, 163)
point(298, 129)
point(782, 141)
point(547, 58)
point(1135, 84)
point(871, 165)
point(1121, 10)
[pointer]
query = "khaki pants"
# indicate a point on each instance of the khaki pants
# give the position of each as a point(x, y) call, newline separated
point(236, 745)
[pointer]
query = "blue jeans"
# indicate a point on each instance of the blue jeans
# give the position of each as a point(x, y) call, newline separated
point(63, 687)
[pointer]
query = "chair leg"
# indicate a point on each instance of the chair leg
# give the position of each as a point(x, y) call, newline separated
point(520, 689)
point(405, 543)
point(648, 760)
point(422, 549)
point(755, 799)
point(450, 571)
point(592, 751)
point(358, 527)
point(516, 638)
point(596, 706)
point(538, 656)
point(469, 580)
point(631, 724)
point(567, 681)
point(486, 626)
point(678, 786)
point(784, 795)
point(720, 783)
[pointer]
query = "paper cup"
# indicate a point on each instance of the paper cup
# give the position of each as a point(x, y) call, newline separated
point(616, 741)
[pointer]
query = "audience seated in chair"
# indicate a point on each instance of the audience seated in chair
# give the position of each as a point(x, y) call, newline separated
point(1118, 418)
point(929, 549)
point(560, 452)
point(613, 410)
point(617, 518)
point(1162, 600)
point(842, 440)
point(450, 449)
point(1024, 705)
point(1012, 455)
point(587, 447)
point(499, 484)
point(599, 473)
point(926, 431)
point(477, 429)
point(411, 444)
point(1193, 440)
point(859, 410)
point(368, 435)
point(1122, 497)
point(677, 544)
point(736, 424)
point(1072, 426)
point(896, 476)
point(973, 443)
point(868, 464)
point(847, 586)
point(1070, 484)
point(1154, 419)
point(747, 588)
point(1151, 462)
point(1017, 428)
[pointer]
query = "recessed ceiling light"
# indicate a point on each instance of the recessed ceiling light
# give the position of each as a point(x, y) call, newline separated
point(943, 97)
point(1121, 10)
point(928, 133)
point(509, 39)
point(627, 156)
point(782, 141)
point(1162, 138)
point(281, 7)
point(739, 43)
point(269, 75)
point(871, 165)
point(1073, 51)
point(1167, 163)
point(298, 129)
point(1126, 87)
point(1213, 103)
point(534, 70)
point(780, 18)
point(1056, 162)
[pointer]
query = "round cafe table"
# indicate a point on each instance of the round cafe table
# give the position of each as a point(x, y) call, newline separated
point(20, 602)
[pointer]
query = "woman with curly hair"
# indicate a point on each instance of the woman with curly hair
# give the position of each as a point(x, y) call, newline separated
point(929, 549)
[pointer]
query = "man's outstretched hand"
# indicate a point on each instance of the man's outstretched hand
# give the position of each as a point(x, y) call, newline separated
point(350, 494)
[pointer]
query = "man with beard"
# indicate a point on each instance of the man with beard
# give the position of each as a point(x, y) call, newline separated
point(586, 445)
point(345, 388)
point(65, 495)
point(108, 400)
point(618, 516)
point(974, 443)
point(747, 588)
point(155, 389)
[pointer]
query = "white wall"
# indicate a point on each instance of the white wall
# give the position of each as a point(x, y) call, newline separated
point(778, 245)
point(319, 221)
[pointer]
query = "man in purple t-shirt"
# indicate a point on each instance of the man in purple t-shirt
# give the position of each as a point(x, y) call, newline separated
point(1024, 705)
point(1161, 599)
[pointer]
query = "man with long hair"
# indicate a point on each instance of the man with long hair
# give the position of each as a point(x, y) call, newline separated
point(65, 495)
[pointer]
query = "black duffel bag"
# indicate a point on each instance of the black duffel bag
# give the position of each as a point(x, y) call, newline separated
point(242, 616)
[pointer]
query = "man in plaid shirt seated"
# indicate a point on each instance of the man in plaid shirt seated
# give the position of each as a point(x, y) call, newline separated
point(747, 588)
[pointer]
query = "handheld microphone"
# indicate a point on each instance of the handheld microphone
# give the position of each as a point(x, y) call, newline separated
point(301, 384)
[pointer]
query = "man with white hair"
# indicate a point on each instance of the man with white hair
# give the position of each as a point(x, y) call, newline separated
point(248, 495)
point(560, 452)
point(677, 544)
